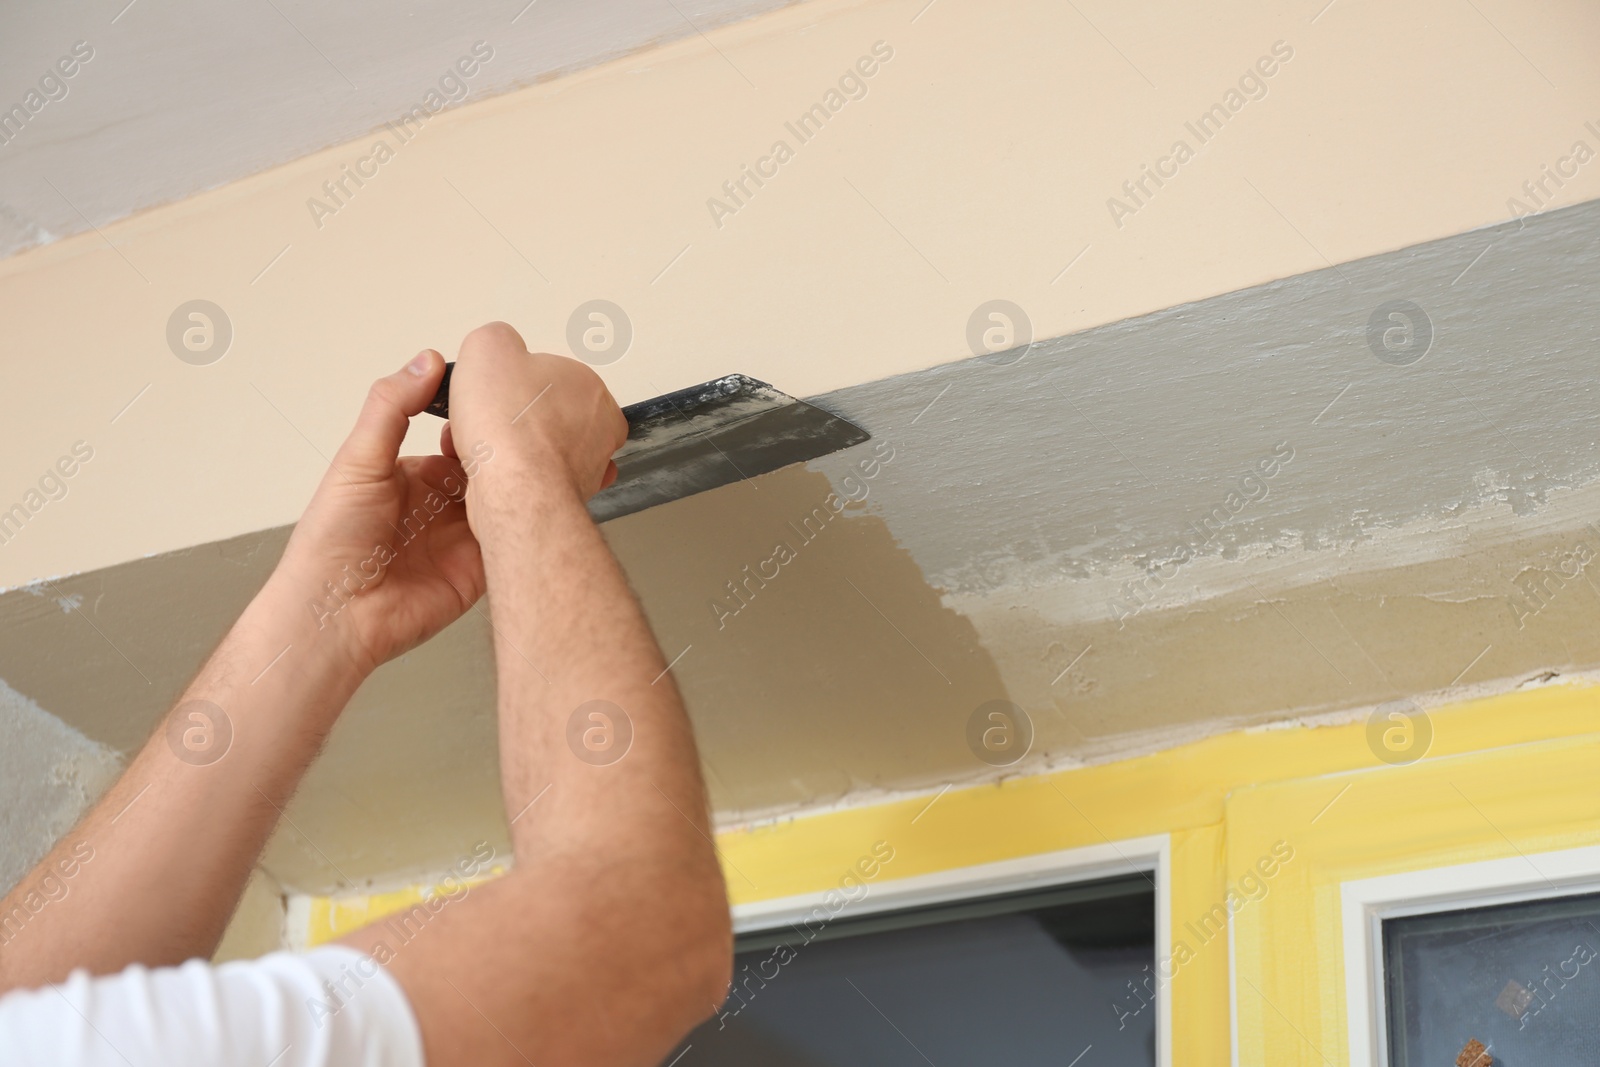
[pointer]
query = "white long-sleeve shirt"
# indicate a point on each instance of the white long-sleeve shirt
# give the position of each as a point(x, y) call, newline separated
point(330, 1007)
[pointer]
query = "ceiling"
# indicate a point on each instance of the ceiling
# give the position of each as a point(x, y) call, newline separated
point(184, 96)
point(1083, 527)
point(947, 186)
point(1389, 556)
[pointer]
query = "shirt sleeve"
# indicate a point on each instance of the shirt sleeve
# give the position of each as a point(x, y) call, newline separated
point(330, 1007)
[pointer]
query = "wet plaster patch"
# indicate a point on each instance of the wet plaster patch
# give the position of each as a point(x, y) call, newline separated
point(108, 652)
point(830, 666)
point(1278, 499)
point(1122, 445)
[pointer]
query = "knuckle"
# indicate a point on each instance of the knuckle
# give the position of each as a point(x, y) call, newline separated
point(382, 392)
point(492, 335)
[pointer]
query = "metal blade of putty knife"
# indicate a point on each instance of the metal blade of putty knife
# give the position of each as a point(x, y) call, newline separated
point(706, 436)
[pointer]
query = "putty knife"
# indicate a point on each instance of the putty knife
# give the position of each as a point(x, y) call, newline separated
point(695, 439)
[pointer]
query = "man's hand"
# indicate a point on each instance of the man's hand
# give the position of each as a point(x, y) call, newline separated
point(548, 419)
point(382, 560)
point(610, 937)
point(383, 557)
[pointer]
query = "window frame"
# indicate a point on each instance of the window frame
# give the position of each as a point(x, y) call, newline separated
point(1365, 903)
point(1151, 855)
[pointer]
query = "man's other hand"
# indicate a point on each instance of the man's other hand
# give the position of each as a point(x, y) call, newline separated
point(383, 556)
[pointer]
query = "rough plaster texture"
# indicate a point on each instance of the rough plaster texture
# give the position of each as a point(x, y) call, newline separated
point(978, 166)
point(49, 774)
point(1054, 497)
point(187, 96)
point(1421, 539)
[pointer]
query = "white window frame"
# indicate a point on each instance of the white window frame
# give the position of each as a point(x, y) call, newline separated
point(1366, 902)
point(1147, 855)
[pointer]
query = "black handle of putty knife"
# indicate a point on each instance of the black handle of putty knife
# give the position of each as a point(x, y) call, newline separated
point(673, 405)
point(440, 404)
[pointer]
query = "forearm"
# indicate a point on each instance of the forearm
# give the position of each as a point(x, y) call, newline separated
point(610, 938)
point(159, 863)
point(624, 779)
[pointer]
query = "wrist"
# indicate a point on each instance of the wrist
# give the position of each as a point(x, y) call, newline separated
point(288, 618)
point(516, 484)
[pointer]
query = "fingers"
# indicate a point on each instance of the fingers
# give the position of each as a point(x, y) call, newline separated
point(610, 475)
point(438, 474)
point(368, 454)
point(447, 443)
point(621, 422)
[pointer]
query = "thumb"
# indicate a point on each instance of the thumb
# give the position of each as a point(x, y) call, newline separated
point(369, 453)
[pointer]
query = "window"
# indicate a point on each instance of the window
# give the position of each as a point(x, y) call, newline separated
point(1020, 979)
point(1516, 985)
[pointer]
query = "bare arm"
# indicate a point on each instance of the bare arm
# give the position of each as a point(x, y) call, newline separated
point(611, 936)
point(154, 872)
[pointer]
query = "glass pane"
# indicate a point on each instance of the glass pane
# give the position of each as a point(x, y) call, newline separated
point(1517, 985)
point(1015, 981)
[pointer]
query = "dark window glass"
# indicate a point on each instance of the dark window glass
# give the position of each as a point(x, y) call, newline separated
point(1515, 984)
point(1018, 980)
